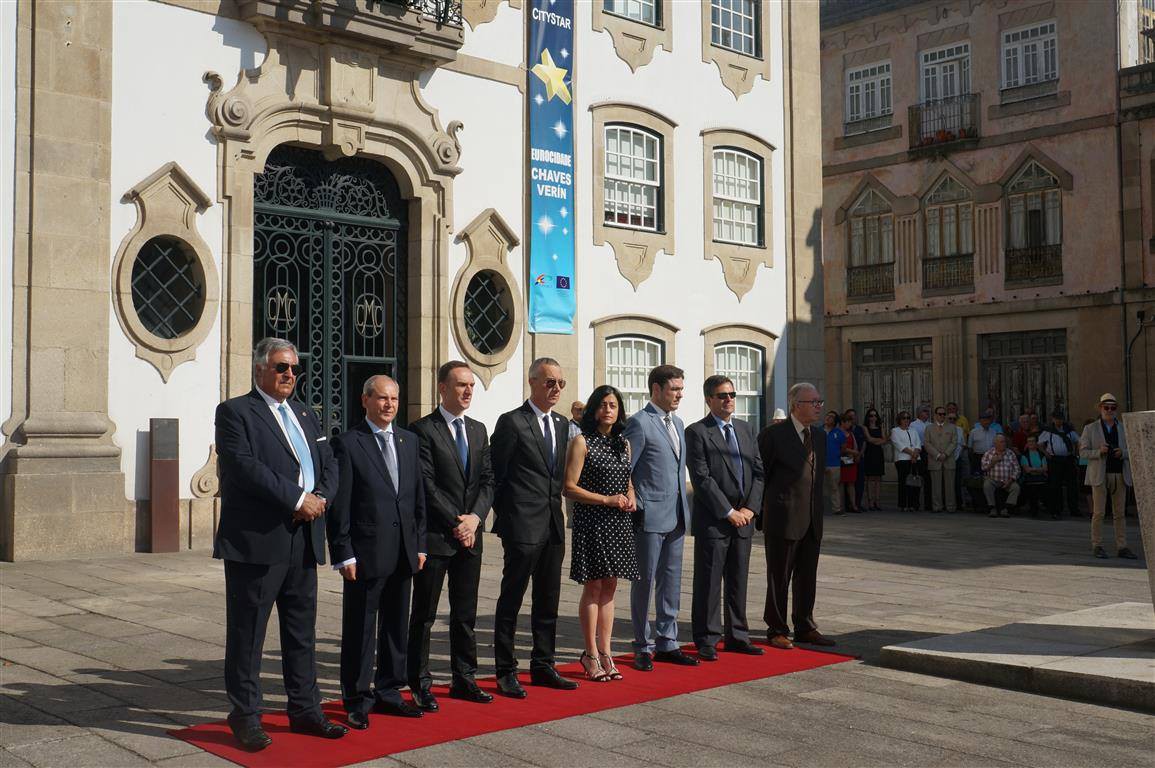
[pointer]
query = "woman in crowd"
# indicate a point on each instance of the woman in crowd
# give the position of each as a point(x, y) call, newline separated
point(907, 447)
point(850, 454)
point(873, 462)
point(1034, 478)
point(597, 479)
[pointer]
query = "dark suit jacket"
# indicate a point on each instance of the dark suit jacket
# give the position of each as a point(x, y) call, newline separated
point(259, 490)
point(449, 490)
point(370, 519)
point(527, 494)
point(715, 482)
point(784, 515)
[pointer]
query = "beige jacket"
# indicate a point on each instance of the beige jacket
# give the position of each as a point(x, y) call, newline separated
point(940, 440)
point(1091, 441)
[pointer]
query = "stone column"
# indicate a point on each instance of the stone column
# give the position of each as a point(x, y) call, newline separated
point(61, 485)
point(1140, 431)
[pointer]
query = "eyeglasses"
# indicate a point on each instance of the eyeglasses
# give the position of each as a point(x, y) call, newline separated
point(554, 383)
point(296, 368)
point(940, 413)
point(725, 395)
point(815, 403)
point(1109, 407)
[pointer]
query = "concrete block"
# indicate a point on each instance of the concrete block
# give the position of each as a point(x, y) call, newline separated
point(1140, 428)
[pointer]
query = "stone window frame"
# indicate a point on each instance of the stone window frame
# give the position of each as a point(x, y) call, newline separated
point(739, 262)
point(612, 326)
point(488, 241)
point(738, 70)
point(752, 335)
point(478, 12)
point(167, 204)
point(636, 41)
point(634, 249)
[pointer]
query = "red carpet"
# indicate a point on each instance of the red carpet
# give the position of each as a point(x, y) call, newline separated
point(461, 720)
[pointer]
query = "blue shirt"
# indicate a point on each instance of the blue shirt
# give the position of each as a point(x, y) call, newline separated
point(835, 439)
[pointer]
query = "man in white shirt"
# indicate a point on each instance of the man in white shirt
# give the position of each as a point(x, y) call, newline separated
point(1060, 442)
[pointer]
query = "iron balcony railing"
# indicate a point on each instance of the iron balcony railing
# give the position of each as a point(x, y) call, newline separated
point(944, 273)
point(943, 121)
point(1034, 264)
point(871, 281)
point(441, 11)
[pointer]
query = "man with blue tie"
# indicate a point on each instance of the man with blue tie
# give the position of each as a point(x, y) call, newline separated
point(726, 473)
point(377, 541)
point(658, 458)
point(276, 473)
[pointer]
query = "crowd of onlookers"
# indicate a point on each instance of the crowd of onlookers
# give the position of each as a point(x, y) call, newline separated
point(943, 463)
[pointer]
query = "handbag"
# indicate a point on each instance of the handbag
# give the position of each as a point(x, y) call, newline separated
point(913, 481)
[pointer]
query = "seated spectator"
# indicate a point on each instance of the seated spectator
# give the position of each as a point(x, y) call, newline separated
point(1034, 465)
point(1000, 470)
point(1022, 431)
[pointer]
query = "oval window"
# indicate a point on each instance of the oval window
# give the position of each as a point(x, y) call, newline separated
point(168, 287)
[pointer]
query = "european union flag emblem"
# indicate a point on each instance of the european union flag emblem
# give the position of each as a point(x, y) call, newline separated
point(563, 281)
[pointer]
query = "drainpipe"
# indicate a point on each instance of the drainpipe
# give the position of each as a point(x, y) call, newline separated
point(1122, 212)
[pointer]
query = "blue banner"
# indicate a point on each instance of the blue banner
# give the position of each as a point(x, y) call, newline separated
point(551, 236)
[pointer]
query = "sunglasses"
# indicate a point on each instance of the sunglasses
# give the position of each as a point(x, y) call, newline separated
point(725, 395)
point(952, 418)
point(1109, 407)
point(940, 413)
point(296, 368)
point(554, 383)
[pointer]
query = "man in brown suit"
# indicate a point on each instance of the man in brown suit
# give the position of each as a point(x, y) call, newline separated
point(793, 458)
point(940, 442)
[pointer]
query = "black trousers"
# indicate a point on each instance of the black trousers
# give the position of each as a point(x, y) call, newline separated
point(907, 496)
point(717, 561)
point(1063, 479)
point(791, 560)
point(540, 563)
point(251, 591)
point(464, 571)
point(923, 469)
point(374, 619)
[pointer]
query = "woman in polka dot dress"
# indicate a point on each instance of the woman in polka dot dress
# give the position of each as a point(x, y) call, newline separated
point(597, 479)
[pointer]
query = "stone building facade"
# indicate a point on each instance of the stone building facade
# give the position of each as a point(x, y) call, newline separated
point(190, 174)
point(972, 241)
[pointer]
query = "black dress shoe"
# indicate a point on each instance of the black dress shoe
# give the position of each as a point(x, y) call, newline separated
point(326, 729)
point(424, 699)
point(253, 739)
point(358, 720)
point(644, 662)
point(398, 708)
point(509, 685)
point(1127, 554)
point(467, 690)
point(676, 657)
point(707, 653)
point(747, 648)
point(549, 678)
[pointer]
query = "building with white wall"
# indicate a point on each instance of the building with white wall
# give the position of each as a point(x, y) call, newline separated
point(184, 176)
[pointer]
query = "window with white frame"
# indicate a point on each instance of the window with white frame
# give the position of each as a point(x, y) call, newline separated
point(743, 364)
point(946, 72)
point(868, 92)
point(629, 360)
point(737, 197)
point(645, 11)
point(871, 231)
point(949, 215)
point(633, 177)
point(1030, 55)
point(734, 25)
point(1034, 208)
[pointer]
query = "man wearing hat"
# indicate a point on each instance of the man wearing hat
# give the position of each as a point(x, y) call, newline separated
point(1104, 446)
point(1060, 442)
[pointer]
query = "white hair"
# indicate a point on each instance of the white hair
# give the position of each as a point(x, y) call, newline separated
point(369, 382)
point(536, 366)
point(796, 390)
point(267, 346)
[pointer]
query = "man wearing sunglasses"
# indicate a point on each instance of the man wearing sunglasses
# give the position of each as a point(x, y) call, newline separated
point(1104, 446)
point(276, 471)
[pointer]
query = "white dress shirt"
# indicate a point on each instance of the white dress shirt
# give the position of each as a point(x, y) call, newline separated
point(799, 428)
point(539, 413)
point(449, 419)
point(275, 407)
point(722, 428)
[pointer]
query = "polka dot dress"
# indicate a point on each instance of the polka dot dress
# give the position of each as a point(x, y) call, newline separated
point(603, 537)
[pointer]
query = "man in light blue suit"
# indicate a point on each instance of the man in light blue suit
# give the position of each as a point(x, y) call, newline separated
point(658, 457)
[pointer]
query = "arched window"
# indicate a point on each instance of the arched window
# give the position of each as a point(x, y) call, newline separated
point(871, 230)
point(949, 216)
point(1034, 209)
point(743, 364)
point(628, 363)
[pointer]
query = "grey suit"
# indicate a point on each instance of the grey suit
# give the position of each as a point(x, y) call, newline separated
point(720, 549)
point(659, 475)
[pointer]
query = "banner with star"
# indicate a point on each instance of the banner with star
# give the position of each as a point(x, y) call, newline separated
point(550, 161)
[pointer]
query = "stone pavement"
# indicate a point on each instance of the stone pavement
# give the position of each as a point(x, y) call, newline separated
point(102, 656)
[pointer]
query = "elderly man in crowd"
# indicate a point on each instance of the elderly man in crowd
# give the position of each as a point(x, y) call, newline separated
point(941, 443)
point(1104, 446)
point(1001, 467)
point(982, 438)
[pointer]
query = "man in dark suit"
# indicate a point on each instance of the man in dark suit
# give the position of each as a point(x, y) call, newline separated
point(276, 471)
point(726, 472)
point(793, 458)
point(458, 482)
point(529, 470)
point(377, 541)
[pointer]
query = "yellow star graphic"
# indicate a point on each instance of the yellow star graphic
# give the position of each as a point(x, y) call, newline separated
point(553, 76)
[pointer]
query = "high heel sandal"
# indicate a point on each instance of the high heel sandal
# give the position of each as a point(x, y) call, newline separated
point(593, 668)
point(610, 668)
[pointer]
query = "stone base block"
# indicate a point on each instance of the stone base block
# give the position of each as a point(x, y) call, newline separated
point(198, 524)
point(1140, 430)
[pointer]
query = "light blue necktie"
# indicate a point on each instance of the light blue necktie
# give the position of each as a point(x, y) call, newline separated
point(462, 448)
point(385, 440)
point(735, 455)
point(300, 446)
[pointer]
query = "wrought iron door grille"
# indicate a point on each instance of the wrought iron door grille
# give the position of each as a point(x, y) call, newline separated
point(488, 321)
point(167, 290)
